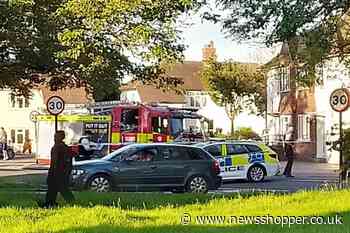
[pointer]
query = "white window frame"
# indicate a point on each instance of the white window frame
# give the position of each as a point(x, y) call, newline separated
point(19, 131)
point(199, 99)
point(14, 102)
point(304, 126)
point(283, 76)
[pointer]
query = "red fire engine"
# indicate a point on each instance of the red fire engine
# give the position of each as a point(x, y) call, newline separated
point(138, 123)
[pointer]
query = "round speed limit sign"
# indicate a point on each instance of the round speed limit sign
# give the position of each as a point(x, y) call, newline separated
point(55, 105)
point(339, 99)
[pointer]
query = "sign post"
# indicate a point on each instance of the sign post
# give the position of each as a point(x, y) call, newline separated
point(339, 101)
point(55, 106)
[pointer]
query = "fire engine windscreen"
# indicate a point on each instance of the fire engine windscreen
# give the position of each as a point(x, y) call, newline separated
point(176, 126)
point(160, 125)
point(129, 120)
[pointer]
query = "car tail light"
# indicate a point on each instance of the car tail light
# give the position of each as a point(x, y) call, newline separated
point(216, 167)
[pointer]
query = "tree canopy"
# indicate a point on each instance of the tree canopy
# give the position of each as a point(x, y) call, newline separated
point(311, 28)
point(235, 86)
point(87, 43)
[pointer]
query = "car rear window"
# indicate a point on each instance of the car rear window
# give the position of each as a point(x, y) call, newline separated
point(233, 149)
point(253, 148)
point(214, 150)
point(181, 153)
point(197, 154)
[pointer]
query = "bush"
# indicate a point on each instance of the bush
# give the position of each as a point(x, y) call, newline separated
point(243, 133)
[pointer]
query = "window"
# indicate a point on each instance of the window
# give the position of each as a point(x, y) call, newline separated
point(195, 154)
point(19, 135)
point(176, 125)
point(160, 125)
point(196, 99)
point(235, 149)
point(253, 148)
point(304, 127)
point(284, 79)
point(284, 123)
point(175, 153)
point(19, 102)
point(129, 120)
point(13, 135)
point(214, 150)
point(144, 155)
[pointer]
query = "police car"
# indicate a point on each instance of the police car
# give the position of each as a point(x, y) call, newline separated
point(243, 159)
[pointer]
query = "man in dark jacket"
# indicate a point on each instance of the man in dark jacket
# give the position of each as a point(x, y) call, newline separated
point(59, 172)
point(289, 152)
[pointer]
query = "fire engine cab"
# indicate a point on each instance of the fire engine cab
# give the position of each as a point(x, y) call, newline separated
point(148, 123)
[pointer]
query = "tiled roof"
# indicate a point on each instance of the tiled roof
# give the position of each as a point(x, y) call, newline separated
point(69, 95)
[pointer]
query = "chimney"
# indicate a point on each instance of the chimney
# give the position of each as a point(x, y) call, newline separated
point(209, 51)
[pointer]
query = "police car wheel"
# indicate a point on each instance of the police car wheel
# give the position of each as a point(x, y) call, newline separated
point(197, 184)
point(256, 173)
point(100, 184)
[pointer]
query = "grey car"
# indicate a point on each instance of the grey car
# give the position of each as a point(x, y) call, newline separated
point(147, 167)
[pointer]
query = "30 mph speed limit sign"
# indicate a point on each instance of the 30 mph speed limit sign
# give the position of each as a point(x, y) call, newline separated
point(339, 99)
point(55, 105)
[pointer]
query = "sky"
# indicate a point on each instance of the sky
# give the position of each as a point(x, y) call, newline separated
point(201, 33)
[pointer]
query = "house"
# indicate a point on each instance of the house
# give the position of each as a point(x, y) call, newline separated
point(315, 122)
point(16, 112)
point(193, 95)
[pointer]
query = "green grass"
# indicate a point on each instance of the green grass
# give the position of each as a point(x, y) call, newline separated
point(23, 182)
point(156, 212)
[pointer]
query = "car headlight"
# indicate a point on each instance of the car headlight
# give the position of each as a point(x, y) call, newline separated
point(77, 172)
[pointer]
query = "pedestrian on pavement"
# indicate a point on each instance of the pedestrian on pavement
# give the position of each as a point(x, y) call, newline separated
point(289, 152)
point(59, 172)
point(3, 142)
point(27, 146)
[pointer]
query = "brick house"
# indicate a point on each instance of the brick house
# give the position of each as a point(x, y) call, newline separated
point(305, 109)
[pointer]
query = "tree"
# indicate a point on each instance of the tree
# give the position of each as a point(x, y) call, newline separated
point(235, 86)
point(310, 30)
point(88, 43)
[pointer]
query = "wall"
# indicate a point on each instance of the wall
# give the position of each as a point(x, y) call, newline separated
point(19, 118)
point(221, 120)
point(335, 75)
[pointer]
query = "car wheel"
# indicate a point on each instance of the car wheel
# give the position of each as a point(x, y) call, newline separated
point(99, 183)
point(256, 173)
point(197, 184)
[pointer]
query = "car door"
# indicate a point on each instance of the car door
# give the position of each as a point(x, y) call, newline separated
point(172, 165)
point(237, 160)
point(137, 170)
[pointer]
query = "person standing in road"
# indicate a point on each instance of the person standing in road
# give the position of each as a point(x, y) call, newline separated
point(289, 152)
point(3, 142)
point(59, 172)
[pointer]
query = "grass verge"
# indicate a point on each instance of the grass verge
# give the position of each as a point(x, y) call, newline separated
point(156, 212)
